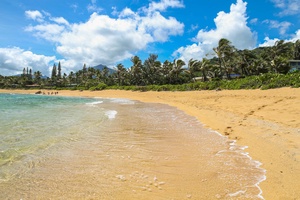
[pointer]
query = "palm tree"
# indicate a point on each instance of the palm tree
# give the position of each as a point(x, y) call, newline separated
point(136, 71)
point(166, 72)
point(120, 74)
point(203, 67)
point(296, 50)
point(247, 61)
point(37, 77)
point(152, 70)
point(224, 51)
point(193, 66)
point(278, 57)
point(177, 68)
point(104, 74)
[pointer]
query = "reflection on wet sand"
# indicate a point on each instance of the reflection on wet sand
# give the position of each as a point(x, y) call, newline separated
point(148, 151)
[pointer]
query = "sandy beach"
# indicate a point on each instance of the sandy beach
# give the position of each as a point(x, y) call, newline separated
point(267, 121)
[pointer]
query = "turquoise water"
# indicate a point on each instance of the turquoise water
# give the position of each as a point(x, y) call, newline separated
point(98, 148)
point(30, 124)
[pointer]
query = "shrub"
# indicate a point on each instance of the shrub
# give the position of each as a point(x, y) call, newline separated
point(101, 86)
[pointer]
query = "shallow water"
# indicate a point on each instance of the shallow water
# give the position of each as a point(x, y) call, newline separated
point(75, 148)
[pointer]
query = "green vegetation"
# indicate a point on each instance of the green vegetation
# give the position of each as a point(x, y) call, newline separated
point(264, 81)
point(263, 68)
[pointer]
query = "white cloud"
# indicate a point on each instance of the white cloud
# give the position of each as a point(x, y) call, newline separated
point(254, 21)
point(268, 42)
point(60, 20)
point(163, 5)
point(232, 26)
point(282, 26)
point(51, 32)
point(106, 40)
point(160, 27)
point(195, 51)
point(296, 36)
point(13, 60)
point(126, 12)
point(288, 7)
point(193, 28)
point(102, 40)
point(92, 7)
point(34, 15)
point(271, 42)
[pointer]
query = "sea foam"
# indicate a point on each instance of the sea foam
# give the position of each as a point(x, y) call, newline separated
point(233, 147)
point(122, 101)
point(94, 103)
point(111, 114)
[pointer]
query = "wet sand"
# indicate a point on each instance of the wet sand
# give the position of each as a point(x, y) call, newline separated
point(265, 121)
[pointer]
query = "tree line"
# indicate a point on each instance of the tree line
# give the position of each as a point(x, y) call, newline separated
point(228, 63)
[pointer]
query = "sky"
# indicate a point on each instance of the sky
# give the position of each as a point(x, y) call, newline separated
point(40, 33)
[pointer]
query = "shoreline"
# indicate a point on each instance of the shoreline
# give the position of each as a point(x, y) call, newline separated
point(266, 121)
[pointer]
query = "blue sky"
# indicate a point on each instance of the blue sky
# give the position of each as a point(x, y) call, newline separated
point(37, 34)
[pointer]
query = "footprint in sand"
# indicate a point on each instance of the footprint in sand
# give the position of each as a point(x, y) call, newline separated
point(228, 130)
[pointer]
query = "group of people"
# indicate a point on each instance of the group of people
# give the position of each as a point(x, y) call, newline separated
point(44, 93)
point(52, 93)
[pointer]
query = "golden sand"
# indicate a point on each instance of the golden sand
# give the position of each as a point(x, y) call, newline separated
point(267, 121)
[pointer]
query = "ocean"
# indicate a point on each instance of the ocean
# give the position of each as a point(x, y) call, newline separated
point(54, 147)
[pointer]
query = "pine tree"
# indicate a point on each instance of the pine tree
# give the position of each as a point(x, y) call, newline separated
point(84, 69)
point(30, 73)
point(53, 75)
point(59, 71)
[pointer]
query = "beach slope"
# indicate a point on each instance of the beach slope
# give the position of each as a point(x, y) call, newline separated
point(267, 121)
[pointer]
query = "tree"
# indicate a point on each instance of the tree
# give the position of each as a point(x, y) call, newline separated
point(193, 67)
point(59, 71)
point(247, 61)
point(120, 74)
point(136, 71)
point(151, 70)
point(203, 67)
point(71, 78)
point(166, 72)
point(278, 56)
point(30, 74)
point(224, 51)
point(105, 74)
point(37, 76)
point(296, 50)
point(177, 68)
point(53, 74)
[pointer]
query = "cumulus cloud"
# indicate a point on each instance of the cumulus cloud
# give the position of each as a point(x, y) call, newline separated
point(50, 32)
point(13, 60)
point(160, 27)
point(288, 7)
point(268, 42)
point(271, 42)
point(296, 36)
point(102, 40)
point(106, 40)
point(232, 26)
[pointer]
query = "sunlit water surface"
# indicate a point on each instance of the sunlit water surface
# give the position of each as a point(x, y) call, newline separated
point(55, 147)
